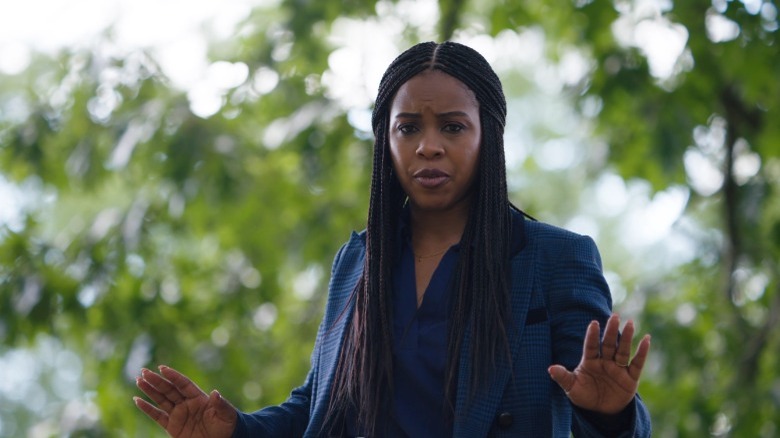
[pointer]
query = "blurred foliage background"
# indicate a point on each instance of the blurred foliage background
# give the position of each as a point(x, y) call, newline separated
point(145, 220)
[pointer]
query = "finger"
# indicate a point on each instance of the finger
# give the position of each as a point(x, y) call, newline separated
point(183, 385)
point(638, 363)
point(590, 348)
point(623, 353)
point(163, 386)
point(609, 342)
point(146, 387)
point(152, 412)
point(562, 377)
point(156, 396)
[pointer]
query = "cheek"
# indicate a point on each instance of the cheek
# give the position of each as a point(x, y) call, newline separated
point(395, 156)
point(474, 157)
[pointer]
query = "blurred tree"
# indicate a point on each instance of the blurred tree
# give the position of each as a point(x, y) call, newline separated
point(711, 112)
point(154, 235)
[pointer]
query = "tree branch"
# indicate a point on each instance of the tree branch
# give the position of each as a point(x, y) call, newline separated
point(739, 117)
point(450, 18)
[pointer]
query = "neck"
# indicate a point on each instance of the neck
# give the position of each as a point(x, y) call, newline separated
point(433, 231)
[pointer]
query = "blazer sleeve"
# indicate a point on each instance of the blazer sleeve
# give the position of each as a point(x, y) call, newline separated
point(291, 418)
point(288, 419)
point(578, 294)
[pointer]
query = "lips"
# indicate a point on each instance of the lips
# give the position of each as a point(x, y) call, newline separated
point(431, 178)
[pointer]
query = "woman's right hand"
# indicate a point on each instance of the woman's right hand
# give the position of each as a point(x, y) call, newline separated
point(183, 409)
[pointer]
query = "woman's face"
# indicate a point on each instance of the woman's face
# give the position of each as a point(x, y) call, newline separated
point(434, 137)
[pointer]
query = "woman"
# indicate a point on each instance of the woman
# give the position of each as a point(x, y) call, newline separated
point(452, 314)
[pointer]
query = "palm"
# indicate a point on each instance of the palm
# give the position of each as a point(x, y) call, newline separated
point(195, 418)
point(606, 378)
point(183, 409)
point(600, 385)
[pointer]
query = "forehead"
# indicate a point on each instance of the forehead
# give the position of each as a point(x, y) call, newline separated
point(434, 87)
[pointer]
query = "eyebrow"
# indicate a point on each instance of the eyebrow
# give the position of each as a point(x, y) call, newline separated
point(440, 115)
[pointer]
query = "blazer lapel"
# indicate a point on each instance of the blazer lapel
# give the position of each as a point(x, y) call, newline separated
point(474, 416)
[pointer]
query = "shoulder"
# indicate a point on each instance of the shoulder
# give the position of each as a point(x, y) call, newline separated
point(555, 244)
point(544, 232)
point(345, 273)
point(350, 252)
point(348, 264)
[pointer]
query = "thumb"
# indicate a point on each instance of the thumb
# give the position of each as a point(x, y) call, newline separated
point(562, 377)
point(223, 408)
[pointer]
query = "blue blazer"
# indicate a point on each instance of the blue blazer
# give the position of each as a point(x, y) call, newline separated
point(557, 289)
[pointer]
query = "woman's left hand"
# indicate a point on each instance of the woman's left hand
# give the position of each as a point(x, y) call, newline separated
point(606, 379)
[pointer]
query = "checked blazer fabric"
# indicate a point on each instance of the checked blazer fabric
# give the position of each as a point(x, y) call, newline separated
point(557, 288)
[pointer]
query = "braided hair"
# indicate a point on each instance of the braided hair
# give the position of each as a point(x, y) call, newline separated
point(363, 382)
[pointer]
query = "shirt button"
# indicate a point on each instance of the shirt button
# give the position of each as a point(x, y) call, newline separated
point(505, 420)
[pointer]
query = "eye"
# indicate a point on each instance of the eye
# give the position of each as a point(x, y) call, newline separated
point(453, 128)
point(407, 128)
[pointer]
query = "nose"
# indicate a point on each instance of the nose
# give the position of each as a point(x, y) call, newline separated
point(431, 145)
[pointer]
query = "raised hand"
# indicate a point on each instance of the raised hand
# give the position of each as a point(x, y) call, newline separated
point(183, 409)
point(606, 379)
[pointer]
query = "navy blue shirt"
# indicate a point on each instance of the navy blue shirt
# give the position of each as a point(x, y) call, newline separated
point(420, 346)
point(420, 339)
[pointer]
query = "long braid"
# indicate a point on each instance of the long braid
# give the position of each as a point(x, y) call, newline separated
point(362, 385)
point(482, 298)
